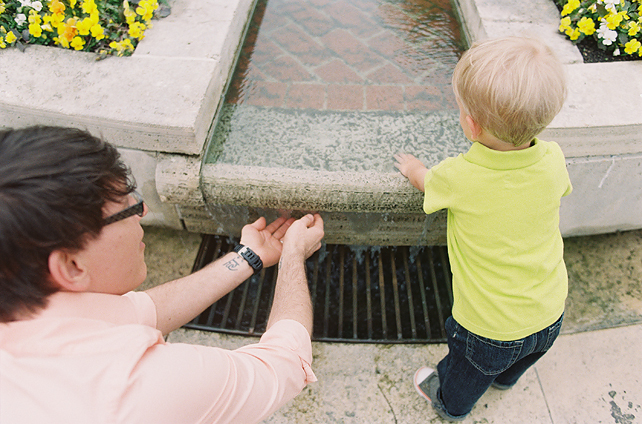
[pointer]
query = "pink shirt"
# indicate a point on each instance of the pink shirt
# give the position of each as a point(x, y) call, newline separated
point(96, 358)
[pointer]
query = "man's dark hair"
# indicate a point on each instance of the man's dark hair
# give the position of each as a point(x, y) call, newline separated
point(54, 183)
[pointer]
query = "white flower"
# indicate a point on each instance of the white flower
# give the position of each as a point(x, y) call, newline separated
point(20, 19)
point(616, 52)
point(24, 3)
point(37, 5)
point(608, 36)
point(610, 4)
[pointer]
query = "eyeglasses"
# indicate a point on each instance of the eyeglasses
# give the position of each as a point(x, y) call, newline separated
point(136, 209)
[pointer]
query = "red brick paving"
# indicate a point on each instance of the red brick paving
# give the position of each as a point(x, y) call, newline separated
point(306, 96)
point(338, 72)
point(389, 74)
point(349, 55)
point(345, 97)
point(384, 97)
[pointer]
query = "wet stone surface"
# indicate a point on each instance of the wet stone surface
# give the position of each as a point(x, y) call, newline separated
point(333, 141)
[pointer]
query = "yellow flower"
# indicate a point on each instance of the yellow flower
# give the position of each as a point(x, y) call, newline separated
point(634, 28)
point(565, 24)
point(94, 17)
point(613, 20)
point(56, 7)
point(146, 9)
point(573, 34)
point(67, 32)
point(54, 20)
point(35, 30)
point(97, 32)
point(34, 17)
point(123, 46)
point(137, 30)
point(586, 25)
point(84, 26)
point(632, 46)
point(10, 37)
point(2, 11)
point(570, 6)
point(2, 44)
point(89, 7)
point(77, 43)
point(72, 3)
point(130, 16)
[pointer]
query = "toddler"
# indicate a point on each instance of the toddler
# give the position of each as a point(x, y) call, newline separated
point(503, 198)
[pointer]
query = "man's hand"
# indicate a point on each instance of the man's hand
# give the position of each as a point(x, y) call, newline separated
point(411, 168)
point(264, 240)
point(304, 236)
point(291, 295)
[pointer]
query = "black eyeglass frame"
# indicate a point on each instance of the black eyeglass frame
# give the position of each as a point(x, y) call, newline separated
point(136, 209)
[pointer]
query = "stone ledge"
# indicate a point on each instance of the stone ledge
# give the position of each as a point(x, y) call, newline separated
point(162, 98)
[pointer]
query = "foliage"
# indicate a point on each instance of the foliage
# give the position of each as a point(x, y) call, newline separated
point(616, 25)
point(101, 26)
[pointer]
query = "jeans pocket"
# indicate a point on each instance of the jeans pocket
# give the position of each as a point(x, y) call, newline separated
point(492, 357)
point(553, 332)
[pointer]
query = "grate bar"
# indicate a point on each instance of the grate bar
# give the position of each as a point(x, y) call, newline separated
point(341, 286)
point(436, 289)
point(255, 309)
point(382, 298)
point(355, 293)
point(369, 298)
point(411, 304)
point(395, 291)
point(424, 303)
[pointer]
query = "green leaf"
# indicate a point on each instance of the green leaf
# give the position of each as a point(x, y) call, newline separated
point(601, 10)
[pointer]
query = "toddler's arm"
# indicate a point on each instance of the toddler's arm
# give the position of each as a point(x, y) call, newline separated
point(411, 168)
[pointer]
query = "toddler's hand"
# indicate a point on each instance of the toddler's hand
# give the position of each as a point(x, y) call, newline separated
point(406, 163)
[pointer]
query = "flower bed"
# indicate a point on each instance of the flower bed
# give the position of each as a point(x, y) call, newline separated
point(100, 26)
point(603, 30)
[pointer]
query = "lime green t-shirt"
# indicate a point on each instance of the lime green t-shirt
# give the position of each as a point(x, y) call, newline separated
point(505, 247)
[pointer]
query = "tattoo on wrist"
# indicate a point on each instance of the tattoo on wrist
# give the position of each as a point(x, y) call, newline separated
point(232, 264)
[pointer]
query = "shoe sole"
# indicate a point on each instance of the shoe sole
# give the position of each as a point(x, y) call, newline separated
point(417, 383)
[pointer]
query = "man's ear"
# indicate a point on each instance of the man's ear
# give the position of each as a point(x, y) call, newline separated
point(67, 272)
point(475, 128)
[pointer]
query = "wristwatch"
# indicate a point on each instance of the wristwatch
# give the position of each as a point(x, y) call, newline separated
point(252, 258)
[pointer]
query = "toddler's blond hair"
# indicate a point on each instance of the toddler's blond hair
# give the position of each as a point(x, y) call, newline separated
point(512, 87)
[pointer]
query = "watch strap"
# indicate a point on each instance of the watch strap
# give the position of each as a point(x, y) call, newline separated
point(252, 258)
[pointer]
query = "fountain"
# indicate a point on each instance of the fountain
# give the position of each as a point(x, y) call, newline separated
point(283, 141)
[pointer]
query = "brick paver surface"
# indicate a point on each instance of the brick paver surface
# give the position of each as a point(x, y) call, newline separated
point(352, 55)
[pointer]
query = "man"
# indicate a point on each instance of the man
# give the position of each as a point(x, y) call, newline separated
point(78, 345)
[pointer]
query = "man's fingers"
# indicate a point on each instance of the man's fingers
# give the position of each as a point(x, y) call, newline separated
point(318, 222)
point(274, 225)
point(259, 224)
point(283, 228)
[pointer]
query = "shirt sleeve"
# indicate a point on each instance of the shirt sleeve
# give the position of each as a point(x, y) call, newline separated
point(144, 308)
point(437, 189)
point(200, 384)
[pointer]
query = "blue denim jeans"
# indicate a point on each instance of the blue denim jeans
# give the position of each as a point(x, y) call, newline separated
point(474, 363)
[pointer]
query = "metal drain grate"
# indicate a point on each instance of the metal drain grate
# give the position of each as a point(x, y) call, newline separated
point(360, 294)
